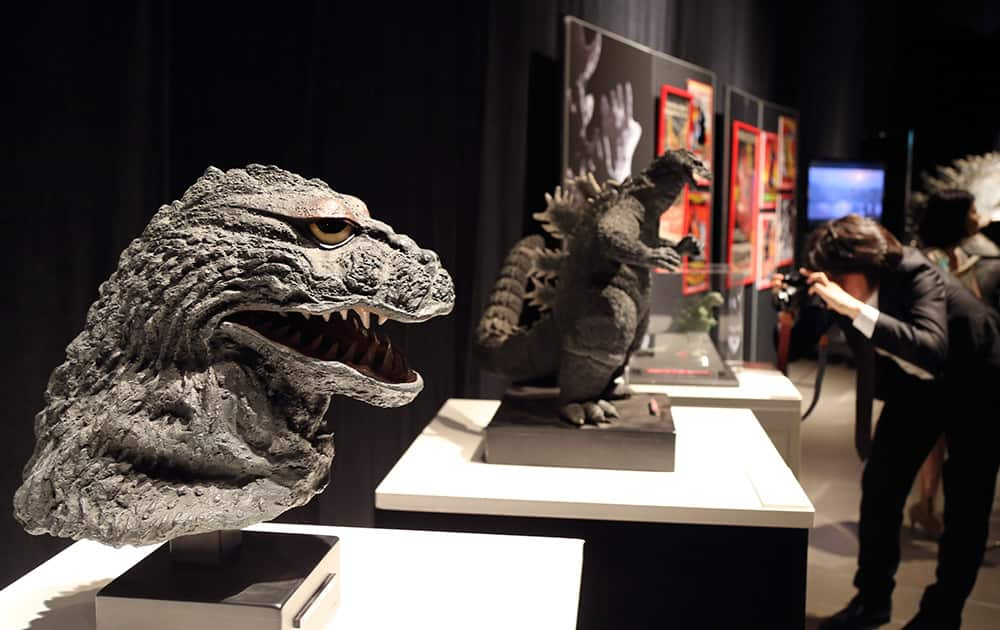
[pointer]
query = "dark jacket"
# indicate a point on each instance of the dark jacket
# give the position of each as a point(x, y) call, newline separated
point(987, 269)
point(927, 318)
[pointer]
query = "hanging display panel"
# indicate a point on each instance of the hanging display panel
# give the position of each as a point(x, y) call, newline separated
point(743, 203)
point(624, 103)
point(608, 114)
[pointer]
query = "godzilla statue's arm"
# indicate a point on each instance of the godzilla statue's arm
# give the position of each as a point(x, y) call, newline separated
point(618, 233)
point(687, 246)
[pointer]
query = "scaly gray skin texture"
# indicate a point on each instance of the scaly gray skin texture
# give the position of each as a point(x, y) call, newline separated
point(193, 399)
point(597, 286)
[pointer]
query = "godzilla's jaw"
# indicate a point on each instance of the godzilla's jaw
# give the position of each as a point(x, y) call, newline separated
point(341, 348)
point(701, 175)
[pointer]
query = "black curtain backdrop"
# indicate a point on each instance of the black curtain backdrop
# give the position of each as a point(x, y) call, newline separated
point(112, 110)
point(443, 116)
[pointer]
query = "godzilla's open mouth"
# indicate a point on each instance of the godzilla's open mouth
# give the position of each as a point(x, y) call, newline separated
point(346, 336)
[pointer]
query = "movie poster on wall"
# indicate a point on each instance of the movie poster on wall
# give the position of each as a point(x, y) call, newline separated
point(767, 251)
point(698, 223)
point(608, 114)
point(743, 187)
point(702, 120)
point(676, 115)
point(788, 131)
point(787, 217)
point(768, 175)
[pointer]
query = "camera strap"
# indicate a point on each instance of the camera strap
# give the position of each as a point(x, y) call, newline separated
point(785, 323)
point(822, 350)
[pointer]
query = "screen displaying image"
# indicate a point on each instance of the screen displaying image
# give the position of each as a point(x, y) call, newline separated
point(839, 189)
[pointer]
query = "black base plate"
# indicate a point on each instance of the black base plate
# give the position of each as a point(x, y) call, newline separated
point(528, 431)
point(269, 573)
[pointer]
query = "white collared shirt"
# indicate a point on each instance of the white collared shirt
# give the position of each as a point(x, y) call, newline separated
point(865, 323)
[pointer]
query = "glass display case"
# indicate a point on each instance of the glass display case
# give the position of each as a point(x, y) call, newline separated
point(695, 329)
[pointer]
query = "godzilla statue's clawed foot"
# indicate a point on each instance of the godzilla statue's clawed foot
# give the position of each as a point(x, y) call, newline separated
point(618, 391)
point(592, 412)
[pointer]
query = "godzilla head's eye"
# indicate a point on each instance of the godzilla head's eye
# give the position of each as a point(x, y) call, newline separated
point(331, 232)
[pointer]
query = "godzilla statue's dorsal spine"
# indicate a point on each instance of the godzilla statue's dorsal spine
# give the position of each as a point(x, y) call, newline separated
point(503, 344)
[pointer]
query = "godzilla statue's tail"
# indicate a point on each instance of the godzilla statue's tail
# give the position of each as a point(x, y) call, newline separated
point(503, 345)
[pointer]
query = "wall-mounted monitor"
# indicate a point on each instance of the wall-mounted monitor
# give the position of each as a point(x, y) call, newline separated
point(837, 189)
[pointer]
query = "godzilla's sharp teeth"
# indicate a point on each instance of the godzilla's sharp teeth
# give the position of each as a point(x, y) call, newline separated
point(369, 354)
point(306, 314)
point(350, 352)
point(342, 314)
point(326, 317)
point(365, 316)
point(283, 313)
point(314, 345)
point(386, 361)
point(380, 319)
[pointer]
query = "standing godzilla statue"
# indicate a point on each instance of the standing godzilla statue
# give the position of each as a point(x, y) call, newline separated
point(594, 292)
point(193, 400)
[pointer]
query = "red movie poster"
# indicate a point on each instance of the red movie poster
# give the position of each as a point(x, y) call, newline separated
point(767, 249)
point(788, 132)
point(743, 186)
point(702, 120)
point(768, 171)
point(698, 223)
point(676, 118)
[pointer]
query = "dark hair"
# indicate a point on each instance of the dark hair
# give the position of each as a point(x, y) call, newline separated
point(943, 223)
point(853, 244)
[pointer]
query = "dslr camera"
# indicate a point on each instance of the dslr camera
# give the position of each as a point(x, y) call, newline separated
point(795, 293)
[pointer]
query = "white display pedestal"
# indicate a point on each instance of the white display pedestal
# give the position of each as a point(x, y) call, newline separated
point(391, 579)
point(768, 393)
point(731, 518)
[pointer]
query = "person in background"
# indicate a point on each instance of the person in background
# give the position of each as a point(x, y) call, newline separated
point(931, 351)
point(949, 233)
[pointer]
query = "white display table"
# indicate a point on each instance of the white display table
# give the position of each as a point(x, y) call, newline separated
point(732, 509)
point(391, 579)
point(768, 393)
point(726, 473)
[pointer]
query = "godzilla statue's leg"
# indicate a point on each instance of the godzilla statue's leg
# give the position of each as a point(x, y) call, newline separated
point(593, 353)
point(617, 390)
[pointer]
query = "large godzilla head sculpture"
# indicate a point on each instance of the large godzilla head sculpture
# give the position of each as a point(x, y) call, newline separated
point(193, 400)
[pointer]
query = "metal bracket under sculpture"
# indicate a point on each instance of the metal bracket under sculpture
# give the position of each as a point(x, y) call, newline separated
point(194, 398)
point(593, 292)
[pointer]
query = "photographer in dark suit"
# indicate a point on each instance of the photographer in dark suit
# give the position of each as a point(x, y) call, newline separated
point(927, 347)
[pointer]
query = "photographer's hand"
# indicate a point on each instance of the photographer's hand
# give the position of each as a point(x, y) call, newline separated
point(835, 297)
point(777, 284)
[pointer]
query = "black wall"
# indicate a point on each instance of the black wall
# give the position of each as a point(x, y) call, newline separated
point(443, 116)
